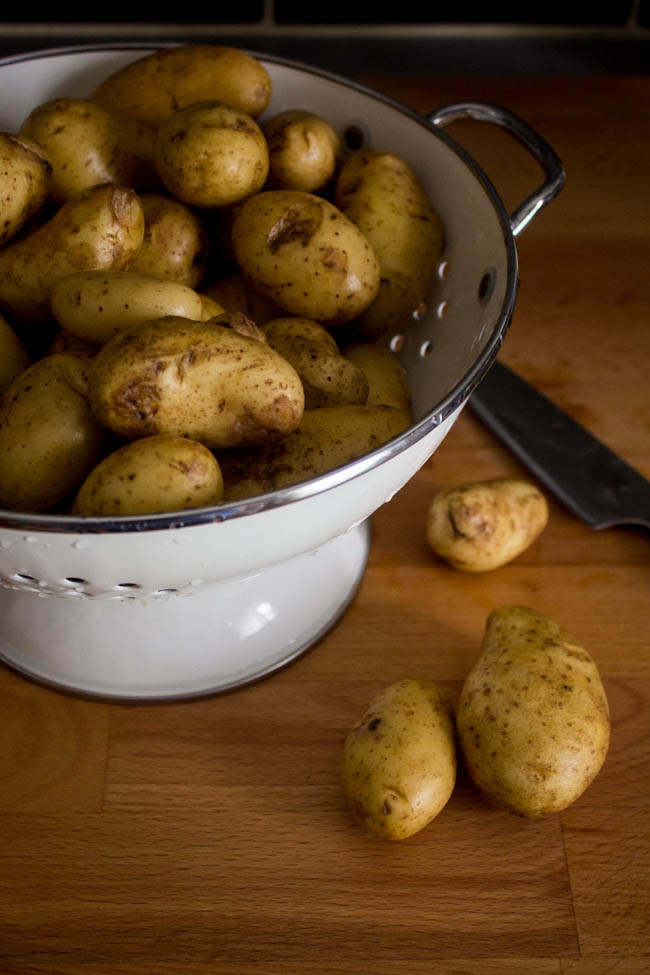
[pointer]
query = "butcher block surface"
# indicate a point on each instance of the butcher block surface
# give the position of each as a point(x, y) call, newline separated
point(212, 835)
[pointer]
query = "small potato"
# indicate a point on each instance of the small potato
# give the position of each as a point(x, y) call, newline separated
point(101, 228)
point(149, 476)
point(25, 176)
point(481, 526)
point(235, 294)
point(327, 438)
point(96, 305)
point(381, 194)
point(49, 438)
point(300, 252)
point(202, 380)
point(86, 144)
point(533, 717)
point(211, 155)
point(303, 151)
point(210, 308)
point(327, 377)
point(399, 760)
point(13, 355)
point(153, 87)
point(387, 382)
point(175, 243)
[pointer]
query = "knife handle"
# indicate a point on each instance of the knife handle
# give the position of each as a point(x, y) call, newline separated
point(529, 139)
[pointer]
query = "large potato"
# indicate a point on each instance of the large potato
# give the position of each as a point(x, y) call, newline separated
point(327, 377)
point(101, 228)
point(302, 253)
point(399, 760)
point(153, 87)
point(482, 525)
point(13, 355)
point(201, 380)
point(175, 243)
point(533, 717)
point(49, 438)
point(327, 438)
point(25, 175)
point(381, 194)
point(149, 476)
point(96, 305)
point(86, 144)
point(386, 378)
point(303, 151)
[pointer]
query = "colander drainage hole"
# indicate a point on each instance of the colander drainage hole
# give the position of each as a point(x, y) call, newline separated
point(23, 577)
point(75, 581)
point(426, 348)
point(443, 270)
point(355, 136)
point(127, 585)
point(396, 343)
point(443, 309)
point(486, 286)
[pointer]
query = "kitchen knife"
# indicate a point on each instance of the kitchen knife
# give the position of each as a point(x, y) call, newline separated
point(582, 472)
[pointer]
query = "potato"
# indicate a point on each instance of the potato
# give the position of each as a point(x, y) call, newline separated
point(96, 305)
point(239, 323)
point(153, 87)
point(303, 151)
point(399, 760)
point(387, 381)
point(211, 155)
point(482, 525)
point(149, 476)
point(13, 355)
point(381, 194)
point(235, 294)
point(533, 717)
point(25, 175)
point(49, 438)
point(300, 252)
point(326, 438)
point(86, 144)
point(328, 378)
point(201, 380)
point(210, 308)
point(175, 243)
point(101, 228)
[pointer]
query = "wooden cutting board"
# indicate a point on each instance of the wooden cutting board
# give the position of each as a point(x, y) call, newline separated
point(212, 836)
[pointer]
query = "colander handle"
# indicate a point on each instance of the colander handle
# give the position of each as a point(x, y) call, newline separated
point(529, 139)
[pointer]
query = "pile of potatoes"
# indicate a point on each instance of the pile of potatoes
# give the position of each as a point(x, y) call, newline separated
point(174, 279)
point(531, 725)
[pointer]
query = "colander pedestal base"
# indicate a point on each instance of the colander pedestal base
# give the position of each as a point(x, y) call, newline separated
point(224, 635)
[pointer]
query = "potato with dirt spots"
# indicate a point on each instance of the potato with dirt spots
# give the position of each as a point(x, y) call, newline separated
point(211, 155)
point(201, 380)
point(304, 151)
point(149, 476)
point(13, 355)
point(153, 87)
point(399, 760)
point(175, 243)
point(386, 377)
point(25, 177)
point(479, 526)
point(533, 717)
point(299, 251)
point(99, 229)
point(235, 294)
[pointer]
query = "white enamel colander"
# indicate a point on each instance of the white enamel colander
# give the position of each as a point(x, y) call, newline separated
point(176, 605)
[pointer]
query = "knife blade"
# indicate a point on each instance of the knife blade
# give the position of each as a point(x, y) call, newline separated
point(589, 478)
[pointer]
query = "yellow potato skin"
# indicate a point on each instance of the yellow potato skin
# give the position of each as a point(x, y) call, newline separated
point(533, 717)
point(303, 151)
point(386, 378)
point(49, 438)
point(175, 243)
point(25, 177)
point(327, 438)
point(149, 476)
point(235, 294)
point(211, 155)
point(381, 194)
point(96, 305)
point(13, 355)
point(86, 144)
point(479, 526)
point(153, 87)
point(327, 377)
point(101, 228)
point(202, 380)
point(299, 251)
point(399, 761)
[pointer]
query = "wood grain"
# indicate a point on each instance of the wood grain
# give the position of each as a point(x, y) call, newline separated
point(212, 836)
